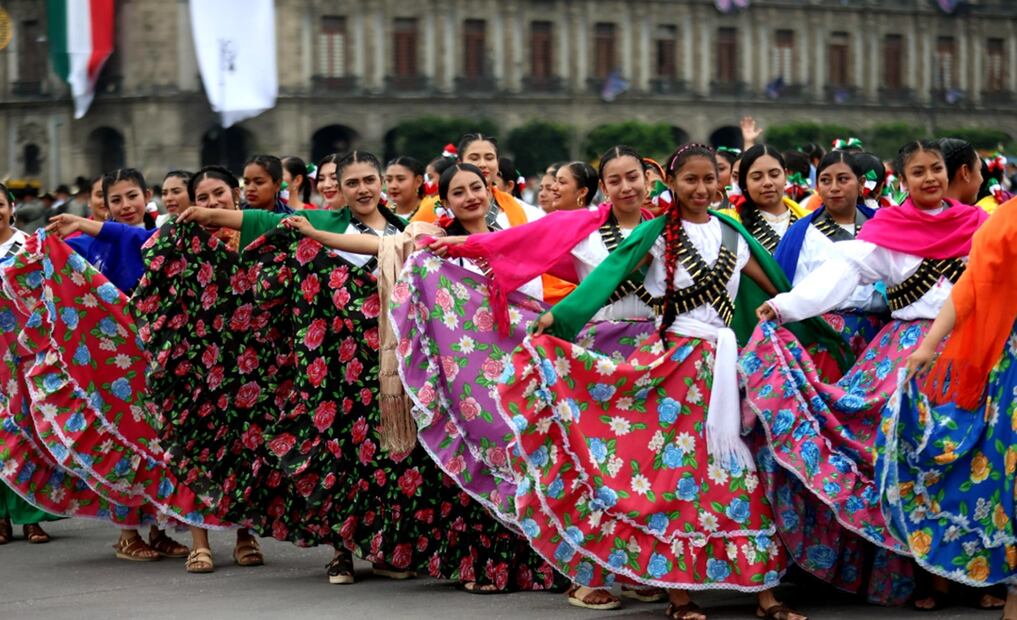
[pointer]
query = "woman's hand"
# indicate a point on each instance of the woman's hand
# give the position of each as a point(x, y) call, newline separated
point(750, 131)
point(541, 325)
point(766, 312)
point(199, 215)
point(64, 224)
point(299, 224)
point(921, 360)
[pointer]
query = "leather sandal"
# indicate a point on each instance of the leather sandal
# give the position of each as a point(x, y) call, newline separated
point(780, 611)
point(135, 549)
point(584, 603)
point(248, 553)
point(688, 611)
point(6, 531)
point(472, 587)
point(199, 561)
point(340, 569)
point(34, 534)
point(166, 546)
point(644, 595)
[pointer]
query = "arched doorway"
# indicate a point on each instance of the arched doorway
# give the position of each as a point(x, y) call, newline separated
point(31, 159)
point(227, 147)
point(332, 139)
point(729, 136)
point(105, 147)
point(679, 136)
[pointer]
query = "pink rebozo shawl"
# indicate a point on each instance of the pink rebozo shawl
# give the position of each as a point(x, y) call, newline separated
point(908, 229)
point(519, 254)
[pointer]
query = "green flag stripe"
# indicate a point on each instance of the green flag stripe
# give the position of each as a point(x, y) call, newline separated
point(56, 14)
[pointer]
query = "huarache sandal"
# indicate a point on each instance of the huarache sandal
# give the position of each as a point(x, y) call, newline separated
point(687, 611)
point(248, 553)
point(166, 546)
point(473, 587)
point(937, 598)
point(780, 611)
point(387, 570)
point(134, 549)
point(199, 561)
point(34, 534)
point(6, 531)
point(644, 595)
point(340, 569)
point(590, 600)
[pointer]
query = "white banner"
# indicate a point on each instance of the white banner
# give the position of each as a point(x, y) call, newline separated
point(235, 44)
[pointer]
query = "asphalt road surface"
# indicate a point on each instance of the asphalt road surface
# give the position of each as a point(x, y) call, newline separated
point(77, 577)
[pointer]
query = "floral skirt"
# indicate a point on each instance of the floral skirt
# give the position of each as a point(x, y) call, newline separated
point(856, 328)
point(79, 439)
point(276, 350)
point(948, 479)
point(452, 358)
point(616, 480)
point(820, 443)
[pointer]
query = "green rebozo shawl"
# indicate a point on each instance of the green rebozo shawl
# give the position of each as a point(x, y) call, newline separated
point(257, 222)
point(572, 313)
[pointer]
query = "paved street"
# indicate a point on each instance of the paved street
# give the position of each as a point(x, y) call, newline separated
point(76, 576)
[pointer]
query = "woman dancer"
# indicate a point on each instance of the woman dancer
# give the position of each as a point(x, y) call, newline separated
point(404, 182)
point(298, 178)
point(826, 435)
point(766, 212)
point(263, 179)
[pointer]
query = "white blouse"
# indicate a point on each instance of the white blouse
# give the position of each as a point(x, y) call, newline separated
point(359, 259)
point(816, 250)
point(7, 247)
point(779, 223)
point(707, 239)
point(587, 255)
point(860, 262)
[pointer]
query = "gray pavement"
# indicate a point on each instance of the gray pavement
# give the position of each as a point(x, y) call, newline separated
point(76, 576)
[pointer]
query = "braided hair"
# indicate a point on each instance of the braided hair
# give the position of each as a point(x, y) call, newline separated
point(673, 229)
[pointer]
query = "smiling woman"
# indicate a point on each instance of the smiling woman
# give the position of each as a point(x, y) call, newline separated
point(263, 176)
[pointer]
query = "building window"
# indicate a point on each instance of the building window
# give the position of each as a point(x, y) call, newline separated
point(995, 66)
point(474, 48)
point(31, 156)
point(604, 59)
point(727, 55)
point(893, 61)
point(332, 47)
point(840, 60)
point(945, 77)
point(541, 49)
point(31, 55)
point(784, 55)
point(667, 52)
point(405, 48)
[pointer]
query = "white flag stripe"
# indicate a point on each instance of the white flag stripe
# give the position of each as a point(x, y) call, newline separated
point(235, 45)
point(79, 48)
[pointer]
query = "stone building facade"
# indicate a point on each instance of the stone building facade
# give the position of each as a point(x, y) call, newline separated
point(350, 70)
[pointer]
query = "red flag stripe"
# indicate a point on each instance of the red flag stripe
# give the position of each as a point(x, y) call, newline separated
point(102, 36)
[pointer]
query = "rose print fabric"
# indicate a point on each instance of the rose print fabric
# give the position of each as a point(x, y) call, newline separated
point(820, 444)
point(452, 358)
point(947, 479)
point(79, 438)
point(615, 477)
point(856, 328)
point(281, 343)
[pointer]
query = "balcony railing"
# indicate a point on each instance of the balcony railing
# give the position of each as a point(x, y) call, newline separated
point(948, 96)
point(480, 85)
point(899, 95)
point(997, 98)
point(729, 89)
point(843, 95)
point(345, 85)
point(669, 86)
point(416, 84)
point(26, 88)
point(551, 84)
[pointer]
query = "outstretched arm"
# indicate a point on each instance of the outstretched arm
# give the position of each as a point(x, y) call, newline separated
point(356, 244)
point(67, 224)
point(213, 218)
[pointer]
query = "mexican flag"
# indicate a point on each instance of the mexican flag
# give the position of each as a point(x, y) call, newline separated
point(80, 41)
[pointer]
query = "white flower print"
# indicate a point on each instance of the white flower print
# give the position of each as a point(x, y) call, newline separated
point(543, 425)
point(686, 443)
point(657, 348)
point(515, 316)
point(9, 468)
point(460, 291)
point(467, 345)
point(677, 546)
point(982, 509)
point(717, 474)
point(594, 518)
point(694, 396)
point(749, 551)
point(605, 366)
point(107, 345)
point(633, 545)
point(77, 278)
point(563, 411)
point(57, 494)
point(952, 533)
point(49, 412)
point(656, 442)
point(122, 361)
point(751, 482)
point(708, 521)
point(562, 366)
point(614, 466)
point(640, 484)
point(431, 264)
point(607, 528)
point(624, 403)
point(732, 551)
point(644, 380)
point(88, 300)
point(620, 426)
